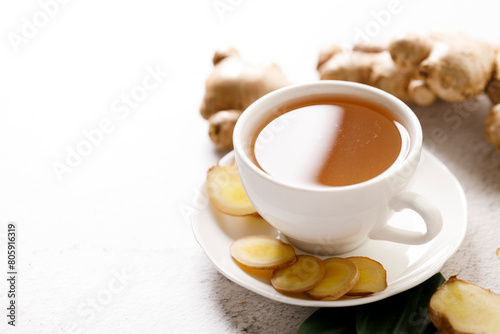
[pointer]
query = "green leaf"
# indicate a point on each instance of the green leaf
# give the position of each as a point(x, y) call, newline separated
point(330, 320)
point(403, 313)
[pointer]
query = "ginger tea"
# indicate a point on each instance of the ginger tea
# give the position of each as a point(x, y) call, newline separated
point(325, 142)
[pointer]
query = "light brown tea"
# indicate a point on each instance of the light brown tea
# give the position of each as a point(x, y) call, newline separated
point(327, 142)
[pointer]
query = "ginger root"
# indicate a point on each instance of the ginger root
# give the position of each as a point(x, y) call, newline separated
point(461, 307)
point(455, 66)
point(416, 68)
point(492, 121)
point(376, 68)
point(221, 127)
point(421, 68)
point(493, 88)
point(492, 126)
point(232, 86)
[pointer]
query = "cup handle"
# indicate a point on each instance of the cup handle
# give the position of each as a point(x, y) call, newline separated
point(421, 205)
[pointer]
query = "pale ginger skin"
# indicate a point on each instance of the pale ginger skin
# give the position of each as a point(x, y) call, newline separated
point(492, 126)
point(493, 88)
point(410, 50)
point(221, 127)
point(492, 121)
point(456, 67)
point(452, 67)
point(373, 66)
point(234, 84)
point(231, 87)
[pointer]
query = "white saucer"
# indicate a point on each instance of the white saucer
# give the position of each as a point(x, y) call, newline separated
point(407, 266)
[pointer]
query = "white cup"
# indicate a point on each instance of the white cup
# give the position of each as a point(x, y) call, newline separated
point(333, 220)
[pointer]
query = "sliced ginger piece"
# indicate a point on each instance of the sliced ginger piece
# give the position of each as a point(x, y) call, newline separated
point(301, 276)
point(226, 192)
point(262, 252)
point(341, 275)
point(461, 307)
point(372, 277)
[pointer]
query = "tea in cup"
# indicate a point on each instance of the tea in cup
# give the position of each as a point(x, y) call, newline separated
point(328, 163)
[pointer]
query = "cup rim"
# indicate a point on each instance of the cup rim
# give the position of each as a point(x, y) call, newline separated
point(412, 155)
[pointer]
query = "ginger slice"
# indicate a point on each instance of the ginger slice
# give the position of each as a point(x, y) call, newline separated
point(262, 252)
point(301, 276)
point(372, 277)
point(226, 192)
point(461, 307)
point(341, 275)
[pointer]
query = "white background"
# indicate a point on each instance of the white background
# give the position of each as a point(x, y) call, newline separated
point(107, 247)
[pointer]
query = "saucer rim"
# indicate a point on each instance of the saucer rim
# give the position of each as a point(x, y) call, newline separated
point(412, 278)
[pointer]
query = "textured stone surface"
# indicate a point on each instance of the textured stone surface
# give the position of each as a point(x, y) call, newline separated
point(109, 249)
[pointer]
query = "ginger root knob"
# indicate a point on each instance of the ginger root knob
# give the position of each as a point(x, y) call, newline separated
point(492, 123)
point(221, 126)
point(235, 84)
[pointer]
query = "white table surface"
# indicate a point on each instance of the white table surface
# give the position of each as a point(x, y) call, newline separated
point(107, 247)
